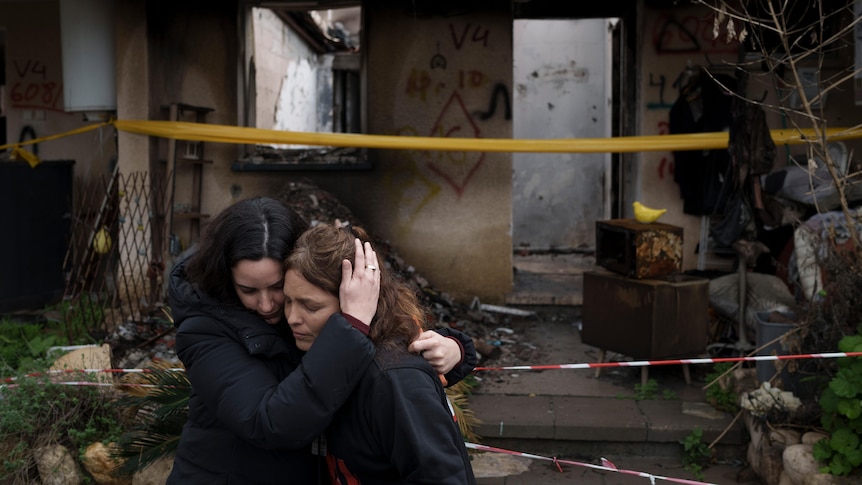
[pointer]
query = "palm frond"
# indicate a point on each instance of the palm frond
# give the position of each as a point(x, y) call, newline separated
point(139, 449)
point(467, 420)
point(159, 399)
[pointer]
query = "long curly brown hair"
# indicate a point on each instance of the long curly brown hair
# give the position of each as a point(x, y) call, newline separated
point(317, 256)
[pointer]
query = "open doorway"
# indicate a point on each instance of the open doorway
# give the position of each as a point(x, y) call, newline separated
point(565, 79)
point(563, 88)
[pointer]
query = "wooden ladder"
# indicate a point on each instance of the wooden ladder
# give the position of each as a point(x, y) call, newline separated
point(184, 159)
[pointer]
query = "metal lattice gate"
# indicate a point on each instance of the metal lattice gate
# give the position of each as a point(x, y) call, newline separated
point(114, 264)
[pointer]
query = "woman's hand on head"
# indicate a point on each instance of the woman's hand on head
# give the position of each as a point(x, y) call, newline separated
point(443, 353)
point(360, 283)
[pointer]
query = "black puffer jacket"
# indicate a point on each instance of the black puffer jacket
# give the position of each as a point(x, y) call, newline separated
point(252, 418)
point(397, 428)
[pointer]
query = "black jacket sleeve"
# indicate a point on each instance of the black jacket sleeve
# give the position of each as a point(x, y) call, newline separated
point(470, 359)
point(245, 395)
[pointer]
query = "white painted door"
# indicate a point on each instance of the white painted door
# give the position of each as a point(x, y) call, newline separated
point(561, 89)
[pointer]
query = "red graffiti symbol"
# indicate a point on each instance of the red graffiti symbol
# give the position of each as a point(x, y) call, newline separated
point(36, 95)
point(418, 83)
point(453, 117)
point(665, 163)
point(663, 127)
point(474, 79)
point(32, 89)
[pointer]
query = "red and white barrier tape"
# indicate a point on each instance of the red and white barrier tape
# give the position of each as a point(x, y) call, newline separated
point(641, 363)
point(88, 371)
point(589, 365)
point(606, 465)
point(90, 384)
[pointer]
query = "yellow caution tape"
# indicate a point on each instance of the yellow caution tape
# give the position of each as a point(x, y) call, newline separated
point(230, 134)
point(19, 153)
point(181, 130)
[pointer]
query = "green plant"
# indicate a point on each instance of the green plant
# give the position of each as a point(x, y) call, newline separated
point(841, 403)
point(696, 453)
point(80, 318)
point(21, 344)
point(34, 411)
point(649, 391)
point(159, 410)
point(720, 393)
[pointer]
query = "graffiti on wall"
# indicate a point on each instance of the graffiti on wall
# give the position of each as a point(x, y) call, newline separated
point(440, 82)
point(689, 34)
point(31, 87)
point(456, 168)
point(477, 34)
point(687, 38)
point(665, 165)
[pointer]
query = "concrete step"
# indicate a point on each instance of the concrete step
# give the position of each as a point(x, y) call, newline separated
point(576, 415)
point(594, 427)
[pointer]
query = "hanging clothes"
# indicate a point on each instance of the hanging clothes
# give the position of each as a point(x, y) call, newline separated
point(703, 106)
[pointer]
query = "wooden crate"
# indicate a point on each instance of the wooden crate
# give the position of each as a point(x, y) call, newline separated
point(646, 318)
point(638, 250)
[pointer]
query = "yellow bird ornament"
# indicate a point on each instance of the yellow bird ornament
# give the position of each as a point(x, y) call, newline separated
point(645, 214)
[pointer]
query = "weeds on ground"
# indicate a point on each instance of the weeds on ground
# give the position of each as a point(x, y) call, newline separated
point(650, 391)
point(35, 412)
point(21, 344)
point(696, 453)
point(720, 392)
point(81, 318)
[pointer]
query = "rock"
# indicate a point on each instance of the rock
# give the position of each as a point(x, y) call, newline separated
point(763, 457)
point(485, 349)
point(766, 398)
point(771, 465)
point(155, 474)
point(752, 456)
point(755, 430)
point(824, 479)
point(782, 438)
point(86, 357)
point(799, 462)
point(490, 465)
point(746, 475)
point(812, 437)
point(98, 462)
point(784, 479)
point(56, 466)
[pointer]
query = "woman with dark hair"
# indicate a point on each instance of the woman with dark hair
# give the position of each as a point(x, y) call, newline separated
point(258, 403)
point(398, 425)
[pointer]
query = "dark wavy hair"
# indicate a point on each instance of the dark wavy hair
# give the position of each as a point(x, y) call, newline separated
point(317, 256)
point(252, 229)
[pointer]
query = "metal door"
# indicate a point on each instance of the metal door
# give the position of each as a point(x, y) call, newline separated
point(562, 89)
